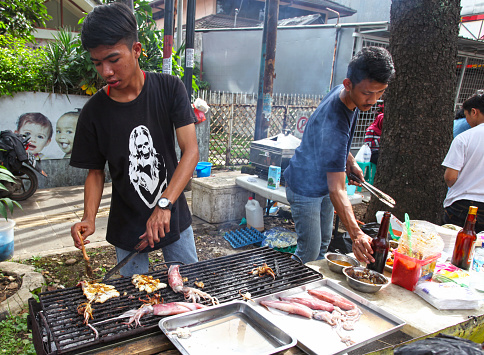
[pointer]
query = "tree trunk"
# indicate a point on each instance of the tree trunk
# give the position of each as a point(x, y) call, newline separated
point(417, 129)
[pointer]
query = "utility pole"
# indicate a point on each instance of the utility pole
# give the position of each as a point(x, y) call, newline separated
point(168, 36)
point(266, 76)
point(189, 46)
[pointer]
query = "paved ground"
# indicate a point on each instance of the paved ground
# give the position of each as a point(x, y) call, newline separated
point(43, 225)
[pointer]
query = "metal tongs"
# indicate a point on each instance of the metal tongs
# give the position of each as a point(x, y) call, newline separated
point(383, 197)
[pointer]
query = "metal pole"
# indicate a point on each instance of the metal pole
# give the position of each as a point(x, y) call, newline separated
point(189, 46)
point(268, 57)
point(459, 84)
point(179, 28)
point(168, 36)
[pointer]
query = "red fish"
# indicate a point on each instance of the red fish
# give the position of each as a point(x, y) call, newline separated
point(312, 303)
point(332, 298)
point(289, 307)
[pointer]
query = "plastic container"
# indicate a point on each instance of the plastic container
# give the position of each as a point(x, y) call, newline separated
point(254, 215)
point(350, 189)
point(408, 271)
point(203, 169)
point(6, 239)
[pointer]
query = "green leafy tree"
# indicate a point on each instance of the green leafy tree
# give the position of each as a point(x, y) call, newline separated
point(60, 55)
point(18, 17)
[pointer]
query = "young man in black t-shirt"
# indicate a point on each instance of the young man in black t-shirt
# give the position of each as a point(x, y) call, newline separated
point(131, 124)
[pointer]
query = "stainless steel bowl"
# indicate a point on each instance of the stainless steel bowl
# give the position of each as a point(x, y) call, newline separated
point(353, 274)
point(332, 257)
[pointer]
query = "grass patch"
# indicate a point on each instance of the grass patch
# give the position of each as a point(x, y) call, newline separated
point(15, 338)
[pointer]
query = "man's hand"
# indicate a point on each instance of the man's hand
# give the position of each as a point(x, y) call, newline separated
point(353, 167)
point(157, 226)
point(86, 228)
point(362, 248)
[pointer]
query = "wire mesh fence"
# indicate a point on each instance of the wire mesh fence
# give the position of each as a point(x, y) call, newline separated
point(232, 122)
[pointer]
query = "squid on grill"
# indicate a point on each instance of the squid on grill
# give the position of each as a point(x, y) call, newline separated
point(191, 294)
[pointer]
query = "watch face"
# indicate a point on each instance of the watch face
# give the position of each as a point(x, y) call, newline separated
point(163, 202)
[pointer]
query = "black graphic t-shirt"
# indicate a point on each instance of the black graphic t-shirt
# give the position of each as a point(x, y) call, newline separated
point(137, 139)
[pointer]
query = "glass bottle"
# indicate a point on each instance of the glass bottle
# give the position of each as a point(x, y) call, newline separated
point(381, 245)
point(465, 242)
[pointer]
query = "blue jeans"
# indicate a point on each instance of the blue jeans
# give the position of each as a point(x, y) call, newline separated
point(313, 217)
point(182, 250)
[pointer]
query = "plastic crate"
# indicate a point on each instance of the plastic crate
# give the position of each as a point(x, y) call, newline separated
point(242, 237)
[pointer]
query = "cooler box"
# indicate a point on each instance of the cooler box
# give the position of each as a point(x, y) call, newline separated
point(408, 271)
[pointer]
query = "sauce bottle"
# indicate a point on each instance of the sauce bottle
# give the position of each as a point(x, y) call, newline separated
point(381, 245)
point(465, 242)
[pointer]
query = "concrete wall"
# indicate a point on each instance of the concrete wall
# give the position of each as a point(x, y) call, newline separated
point(231, 59)
point(53, 106)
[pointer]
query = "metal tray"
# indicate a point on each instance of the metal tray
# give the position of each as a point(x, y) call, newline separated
point(230, 328)
point(317, 337)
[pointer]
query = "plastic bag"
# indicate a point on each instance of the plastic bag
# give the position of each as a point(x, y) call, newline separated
point(448, 295)
point(201, 105)
point(442, 344)
point(364, 154)
point(199, 115)
point(279, 237)
point(424, 241)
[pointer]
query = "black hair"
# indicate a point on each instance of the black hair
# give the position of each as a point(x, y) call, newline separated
point(476, 101)
point(109, 24)
point(35, 118)
point(373, 63)
point(459, 114)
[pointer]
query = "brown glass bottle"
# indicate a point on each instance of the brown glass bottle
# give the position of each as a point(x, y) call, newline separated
point(465, 242)
point(381, 245)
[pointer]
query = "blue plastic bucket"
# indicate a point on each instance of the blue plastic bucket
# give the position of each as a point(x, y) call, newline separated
point(203, 169)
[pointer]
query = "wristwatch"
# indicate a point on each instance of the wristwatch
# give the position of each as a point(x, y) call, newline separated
point(165, 204)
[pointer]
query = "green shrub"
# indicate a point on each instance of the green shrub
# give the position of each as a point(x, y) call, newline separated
point(21, 67)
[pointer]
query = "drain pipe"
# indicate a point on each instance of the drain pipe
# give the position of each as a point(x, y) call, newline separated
point(338, 28)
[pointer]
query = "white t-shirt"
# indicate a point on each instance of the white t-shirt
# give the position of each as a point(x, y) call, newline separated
point(466, 155)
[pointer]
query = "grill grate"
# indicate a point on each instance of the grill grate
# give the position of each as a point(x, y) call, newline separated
point(60, 330)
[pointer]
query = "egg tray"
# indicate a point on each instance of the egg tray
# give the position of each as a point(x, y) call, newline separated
point(242, 237)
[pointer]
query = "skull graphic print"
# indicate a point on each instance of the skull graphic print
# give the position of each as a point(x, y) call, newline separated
point(147, 171)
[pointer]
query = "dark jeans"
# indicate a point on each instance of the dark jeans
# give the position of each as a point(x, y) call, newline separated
point(457, 213)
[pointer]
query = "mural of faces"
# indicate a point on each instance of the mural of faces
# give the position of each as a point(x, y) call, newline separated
point(38, 128)
point(65, 131)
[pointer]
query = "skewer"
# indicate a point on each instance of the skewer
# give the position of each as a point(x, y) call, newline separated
point(86, 257)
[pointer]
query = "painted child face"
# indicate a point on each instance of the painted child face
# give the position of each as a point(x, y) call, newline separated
point(65, 131)
point(39, 136)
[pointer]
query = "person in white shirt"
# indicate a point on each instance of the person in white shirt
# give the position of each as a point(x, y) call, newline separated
point(465, 168)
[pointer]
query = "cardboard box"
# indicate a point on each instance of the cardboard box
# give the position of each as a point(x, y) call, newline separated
point(274, 177)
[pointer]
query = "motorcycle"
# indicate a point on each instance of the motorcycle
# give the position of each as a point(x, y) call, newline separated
point(14, 156)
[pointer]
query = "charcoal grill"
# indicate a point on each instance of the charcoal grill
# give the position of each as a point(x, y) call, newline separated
point(57, 327)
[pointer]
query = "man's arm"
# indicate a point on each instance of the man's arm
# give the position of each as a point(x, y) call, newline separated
point(342, 205)
point(450, 176)
point(93, 190)
point(159, 222)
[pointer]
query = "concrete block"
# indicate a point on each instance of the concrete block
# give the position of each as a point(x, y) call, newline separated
point(217, 199)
